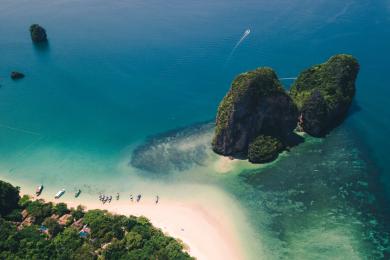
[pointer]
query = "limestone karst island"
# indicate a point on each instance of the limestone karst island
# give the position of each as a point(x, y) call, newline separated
point(257, 117)
point(207, 129)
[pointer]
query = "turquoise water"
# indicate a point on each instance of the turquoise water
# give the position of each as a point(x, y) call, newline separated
point(117, 72)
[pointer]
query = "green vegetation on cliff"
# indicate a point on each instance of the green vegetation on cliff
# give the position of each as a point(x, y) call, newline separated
point(261, 82)
point(48, 231)
point(257, 117)
point(256, 104)
point(264, 149)
point(335, 79)
point(9, 197)
point(333, 85)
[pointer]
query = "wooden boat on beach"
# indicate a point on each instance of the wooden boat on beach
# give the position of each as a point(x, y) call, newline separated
point(59, 194)
point(38, 190)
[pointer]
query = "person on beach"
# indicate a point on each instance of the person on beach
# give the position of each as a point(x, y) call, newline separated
point(117, 196)
point(109, 200)
point(131, 197)
point(157, 198)
point(138, 197)
point(300, 123)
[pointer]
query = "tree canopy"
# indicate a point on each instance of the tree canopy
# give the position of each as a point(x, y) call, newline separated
point(9, 197)
point(108, 236)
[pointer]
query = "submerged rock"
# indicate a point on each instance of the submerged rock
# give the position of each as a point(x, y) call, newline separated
point(16, 75)
point(38, 33)
point(176, 150)
point(255, 105)
point(324, 93)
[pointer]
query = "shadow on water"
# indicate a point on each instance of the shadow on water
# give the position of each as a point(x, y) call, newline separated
point(42, 48)
point(355, 108)
point(294, 140)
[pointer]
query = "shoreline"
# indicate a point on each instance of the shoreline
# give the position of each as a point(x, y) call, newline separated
point(203, 228)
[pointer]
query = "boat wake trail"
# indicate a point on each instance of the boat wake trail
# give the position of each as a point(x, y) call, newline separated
point(20, 130)
point(243, 37)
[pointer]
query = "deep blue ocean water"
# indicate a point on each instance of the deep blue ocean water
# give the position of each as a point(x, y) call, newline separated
point(115, 72)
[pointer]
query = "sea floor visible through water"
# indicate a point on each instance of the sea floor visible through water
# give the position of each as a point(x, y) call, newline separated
point(320, 200)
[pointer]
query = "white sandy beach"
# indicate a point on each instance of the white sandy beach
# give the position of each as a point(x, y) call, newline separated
point(205, 233)
point(201, 224)
point(210, 222)
point(225, 164)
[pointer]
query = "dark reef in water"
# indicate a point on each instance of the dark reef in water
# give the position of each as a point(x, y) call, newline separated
point(325, 197)
point(259, 115)
point(176, 150)
point(322, 200)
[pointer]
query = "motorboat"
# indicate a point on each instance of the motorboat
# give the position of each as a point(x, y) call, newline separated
point(77, 193)
point(38, 190)
point(59, 194)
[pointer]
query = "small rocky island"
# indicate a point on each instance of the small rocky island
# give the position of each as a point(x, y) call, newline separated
point(15, 75)
point(257, 113)
point(257, 117)
point(324, 93)
point(38, 33)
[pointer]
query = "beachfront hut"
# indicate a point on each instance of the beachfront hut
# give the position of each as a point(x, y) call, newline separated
point(44, 229)
point(84, 232)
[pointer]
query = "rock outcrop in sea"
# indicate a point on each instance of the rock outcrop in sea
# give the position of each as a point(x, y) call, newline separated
point(264, 149)
point(324, 93)
point(256, 105)
point(38, 33)
point(16, 75)
point(257, 117)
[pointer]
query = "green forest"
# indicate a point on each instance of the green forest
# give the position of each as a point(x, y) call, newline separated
point(35, 229)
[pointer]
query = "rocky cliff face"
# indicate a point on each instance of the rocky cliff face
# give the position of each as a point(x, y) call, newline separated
point(255, 105)
point(257, 116)
point(324, 93)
